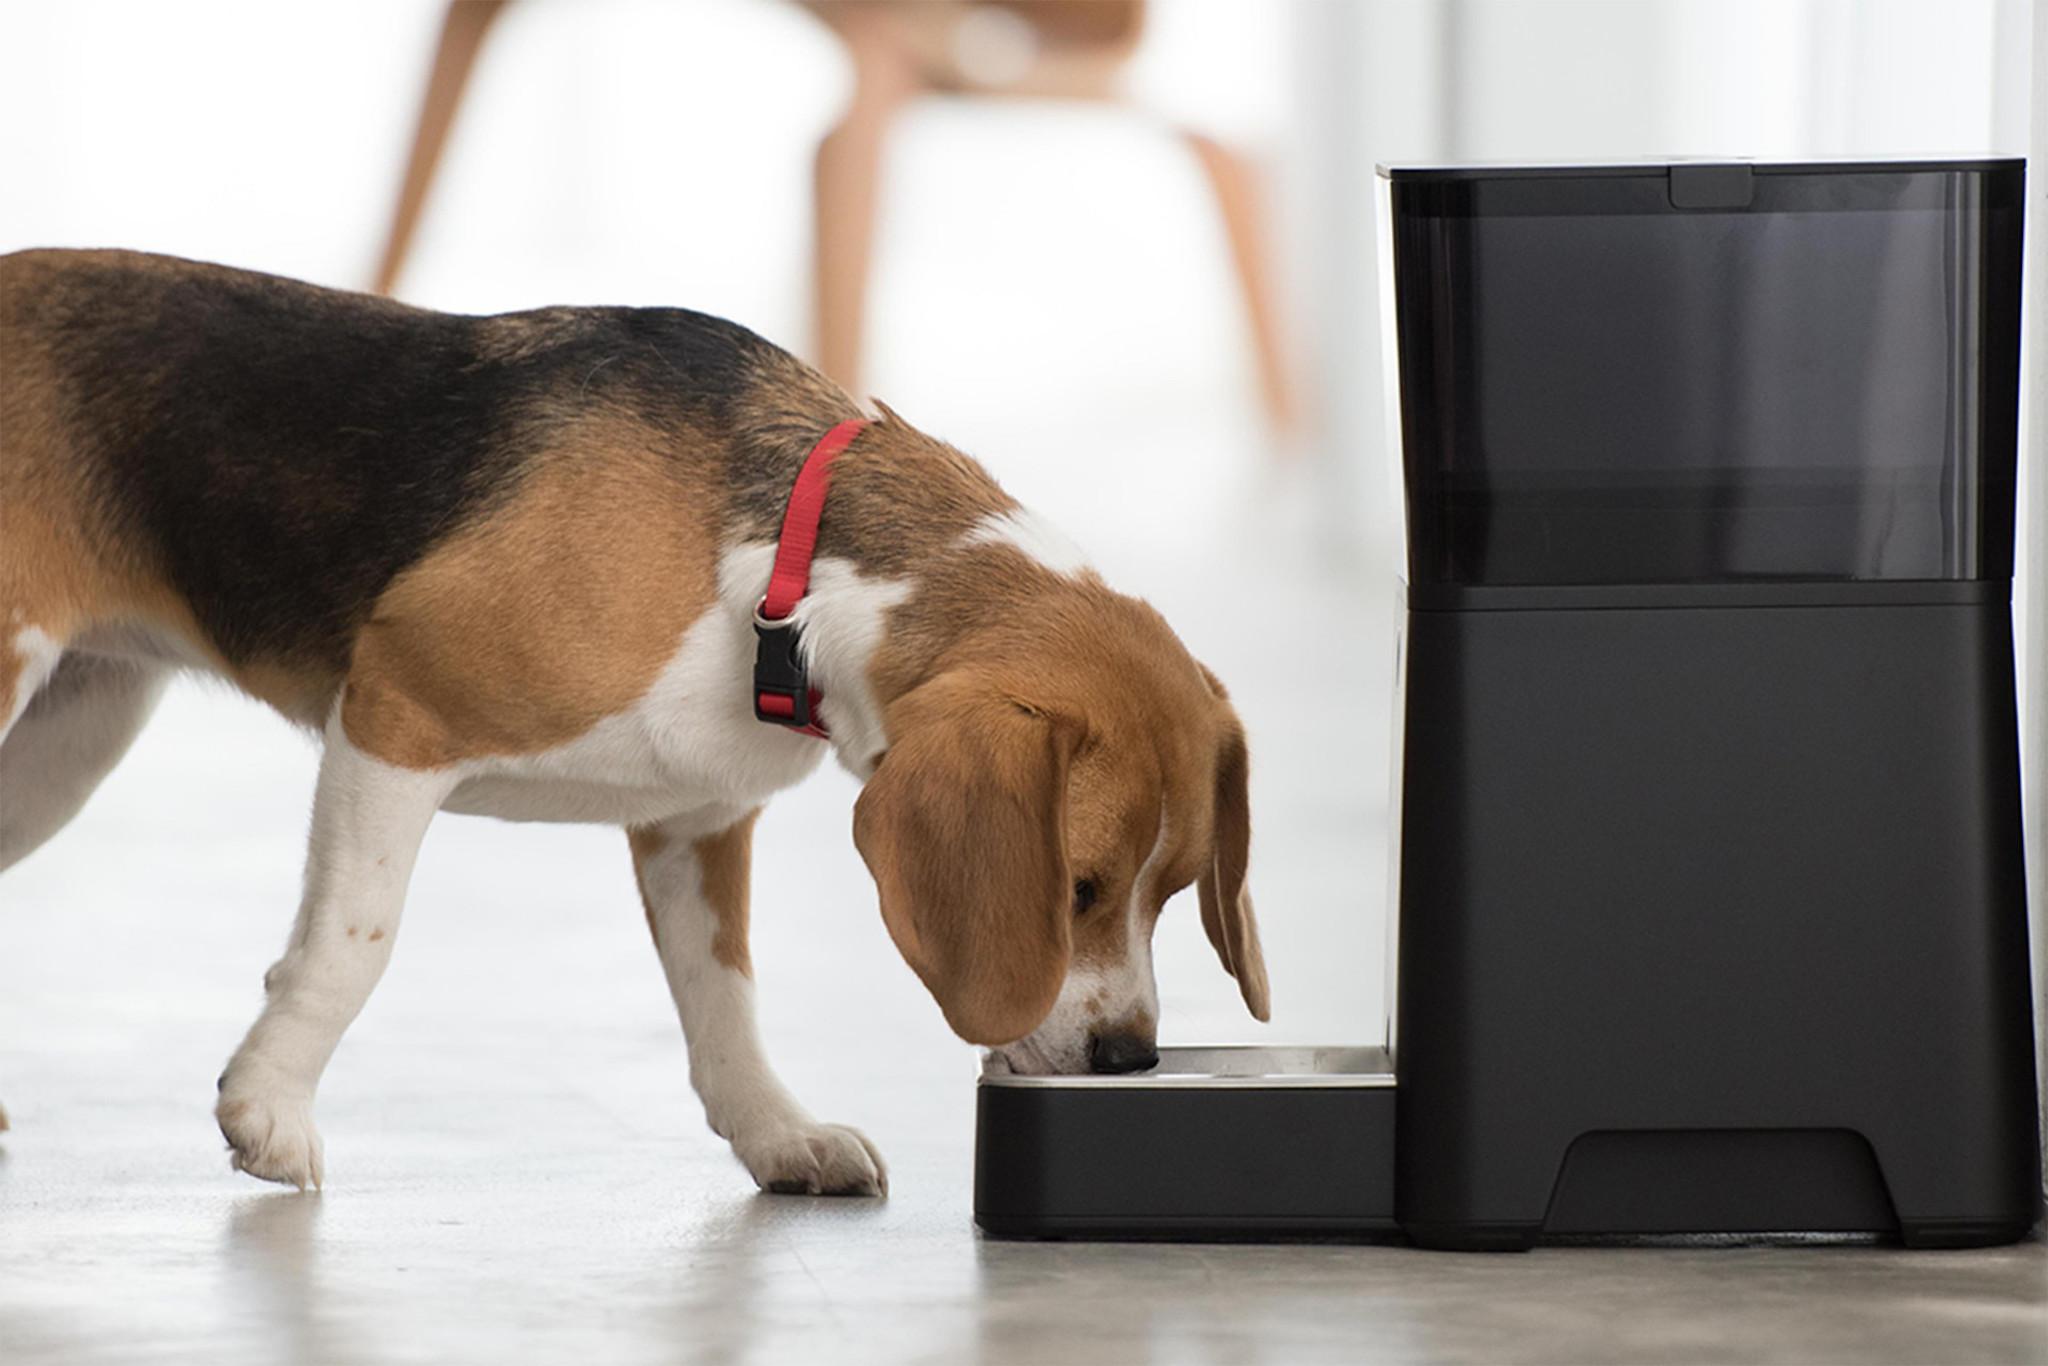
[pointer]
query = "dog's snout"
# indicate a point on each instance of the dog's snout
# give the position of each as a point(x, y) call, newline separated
point(1121, 1053)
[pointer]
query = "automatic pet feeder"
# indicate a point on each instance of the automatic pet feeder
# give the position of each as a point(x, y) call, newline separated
point(1711, 914)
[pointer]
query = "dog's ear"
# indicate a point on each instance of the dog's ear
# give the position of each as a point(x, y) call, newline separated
point(963, 827)
point(1226, 905)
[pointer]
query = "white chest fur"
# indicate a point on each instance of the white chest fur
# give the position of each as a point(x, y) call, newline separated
point(692, 739)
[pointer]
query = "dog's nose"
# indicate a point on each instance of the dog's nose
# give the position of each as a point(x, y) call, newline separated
point(1121, 1053)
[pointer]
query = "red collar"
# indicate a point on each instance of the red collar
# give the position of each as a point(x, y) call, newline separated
point(783, 695)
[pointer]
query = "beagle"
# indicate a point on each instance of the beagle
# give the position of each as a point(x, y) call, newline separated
point(511, 566)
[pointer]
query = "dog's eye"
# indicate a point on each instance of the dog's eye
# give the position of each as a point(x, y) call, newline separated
point(1084, 895)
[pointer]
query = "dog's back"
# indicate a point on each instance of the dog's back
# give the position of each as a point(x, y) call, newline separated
point(258, 459)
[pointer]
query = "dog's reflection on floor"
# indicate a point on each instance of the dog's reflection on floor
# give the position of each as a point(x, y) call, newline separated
point(746, 1276)
point(740, 1270)
point(271, 1252)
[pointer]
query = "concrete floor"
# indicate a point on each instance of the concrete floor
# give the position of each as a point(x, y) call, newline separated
point(573, 1243)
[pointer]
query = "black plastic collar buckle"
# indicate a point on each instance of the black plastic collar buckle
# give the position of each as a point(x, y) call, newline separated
point(779, 672)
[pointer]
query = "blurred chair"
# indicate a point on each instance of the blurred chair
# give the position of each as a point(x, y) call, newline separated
point(462, 32)
point(903, 49)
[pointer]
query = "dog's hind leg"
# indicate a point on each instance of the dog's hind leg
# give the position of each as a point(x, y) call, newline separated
point(693, 879)
point(368, 819)
point(29, 657)
point(67, 738)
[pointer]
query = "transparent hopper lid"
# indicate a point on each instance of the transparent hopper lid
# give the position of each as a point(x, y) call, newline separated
point(1708, 373)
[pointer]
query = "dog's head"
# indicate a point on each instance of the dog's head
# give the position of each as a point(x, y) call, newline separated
point(1041, 797)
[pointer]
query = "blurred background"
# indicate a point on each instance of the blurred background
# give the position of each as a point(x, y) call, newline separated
point(1143, 292)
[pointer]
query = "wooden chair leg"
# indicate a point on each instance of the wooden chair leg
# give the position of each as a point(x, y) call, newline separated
point(1232, 180)
point(847, 188)
point(462, 34)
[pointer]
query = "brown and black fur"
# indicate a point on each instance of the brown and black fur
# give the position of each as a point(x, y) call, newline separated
point(277, 453)
point(256, 465)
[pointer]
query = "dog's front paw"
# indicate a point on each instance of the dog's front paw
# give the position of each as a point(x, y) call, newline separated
point(814, 1159)
point(270, 1134)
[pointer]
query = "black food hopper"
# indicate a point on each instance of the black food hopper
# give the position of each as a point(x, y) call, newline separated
point(1711, 913)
